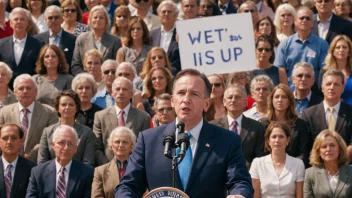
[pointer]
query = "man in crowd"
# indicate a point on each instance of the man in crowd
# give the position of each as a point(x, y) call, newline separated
point(251, 131)
point(303, 46)
point(226, 7)
point(303, 80)
point(128, 70)
point(32, 116)
point(56, 35)
point(121, 114)
point(63, 176)
point(210, 146)
point(20, 51)
point(190, 9)
point(14, 169)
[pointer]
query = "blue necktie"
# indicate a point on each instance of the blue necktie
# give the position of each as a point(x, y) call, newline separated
point(184, 168)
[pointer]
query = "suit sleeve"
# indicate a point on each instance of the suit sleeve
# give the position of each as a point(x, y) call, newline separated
point(100, 157)
point(32, 189)
point(303, 132)
point(259, 150)
point(97, 186)
point(77, 59)
point(44, 153)
point(88, 153)
point(133, 183)
point(307, 186)
point(146, 122)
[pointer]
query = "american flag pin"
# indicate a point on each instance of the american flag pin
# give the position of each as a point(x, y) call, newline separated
point(207, 145)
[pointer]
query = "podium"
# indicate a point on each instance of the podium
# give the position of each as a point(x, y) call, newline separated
point(166, 192)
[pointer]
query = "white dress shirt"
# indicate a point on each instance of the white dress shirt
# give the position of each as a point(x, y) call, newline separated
point(55, 39)
point(152, 21)
point(323, 28)
point(239, 122)
point(41, 24)
point(327, 111)
point(6, 163)
point(195, 131)
point(165, 38)
point(18, 47)
point(126, 110)
point(253, 113)
point(67, 172)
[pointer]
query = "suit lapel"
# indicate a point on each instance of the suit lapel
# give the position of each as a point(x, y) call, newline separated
point(343, 179)
point(18, 175)
point(341, 118)
point(320, 113)
point(130, 117)
point(112, 174)
point(36, 116)
point(72, 178)
point(156, 41)
point(62, 40)
point(173, 42)
point(104, 44)
point(90, 41)
point(321, 177)
point(50, 175)
point(331, 27)
point(27, 48)
point(47, 36)
point(112, 118)
point(244, 128)
point(2, 180)
point(16, 114)
point(224, 123)
point(10, 50)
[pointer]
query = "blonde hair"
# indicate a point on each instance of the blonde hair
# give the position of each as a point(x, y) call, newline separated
point(330, 60)
point(147, 66)
point(106, 14)
point(92, 52)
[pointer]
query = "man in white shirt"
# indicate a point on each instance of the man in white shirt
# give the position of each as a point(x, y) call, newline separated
point(72, 178)
point(142, 10)
point(14, 169)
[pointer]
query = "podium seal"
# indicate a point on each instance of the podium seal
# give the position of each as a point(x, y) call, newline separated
point(166, 192)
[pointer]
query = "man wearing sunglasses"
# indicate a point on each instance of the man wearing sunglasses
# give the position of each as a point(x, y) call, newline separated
point(142, 11)
point(303, 46)
point(56, 35)
point(327, 25)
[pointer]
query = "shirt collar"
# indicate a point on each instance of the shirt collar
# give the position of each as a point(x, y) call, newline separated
point(329, 19)
point(126, 109)
point(121, 165)
point(108, 7)
point(58, 166)
point(58, 34)
point(30, 107)
point(308, 97)
point(336, 107)
point(226, 4)
point(6, 163)
point(195, 131)
point(310, 38)
point(20, 41)
point(172, 29)
point(238, 120)
point(259, 5)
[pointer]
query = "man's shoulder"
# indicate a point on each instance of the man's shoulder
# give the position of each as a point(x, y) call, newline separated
point(85, 168)
point(67, 35)
point(28, 164)
point(43, 108)
point(217, 121)
point(138, 112)
point(104, 111)
point(9, 107)
point(5, 40)
point(252, 123)
point(155, 32)
point(312, 110)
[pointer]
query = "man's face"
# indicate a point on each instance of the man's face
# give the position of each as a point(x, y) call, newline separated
point(10, 141)
point(109, 74)
point(234, 100)
point(332, 87)
point(122, 93)
point(260, 92)
point(190, 9)
point(164, 112)
point(324, 6)
point(25, 92)
point(303, 78)
point(304, 20)
point(189, 100)
point(19, 22)
point(167, 15)
point(125, 71)
point(54, 20)
point(65, 146)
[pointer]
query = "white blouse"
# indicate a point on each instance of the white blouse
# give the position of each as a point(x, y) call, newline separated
point(41, 24)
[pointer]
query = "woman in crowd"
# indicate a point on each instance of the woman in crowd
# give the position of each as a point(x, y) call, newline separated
point(72, 18)
point(92, 61)
point(330, 175)
point(158, 81)
point(265, 26)
point(90, 4)
point(108, 176)
point(121, 20)
point(164, 112)
point(249, 6)
point(342, 8)
point(284, 21)
point(85, 86)
point(12, 4)
point(340, 57)
point(281, 107)
point(37, 8)
point(265, 57)
point(6, 95)
point(277, 174)
point(67, 105)
point(137, 45)
point(156, 57)
point(52, 74)
point(98, 38)
point(242, 79)
point(217, 94)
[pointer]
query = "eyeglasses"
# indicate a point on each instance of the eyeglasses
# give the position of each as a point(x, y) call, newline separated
point(206, 6)
point(167, 109)
point(264, 49)
point(121, 16)
point(325, 1)
point(159, 57)
point(251, 11)
point(216, 84)
point(163, 12)
point(53, 17)
point(307, 18)
point(138, 1)
point(305, 75)
point(107, 72)
point(189, 6)
point(63, 144)
point(340, 4)
point(70, 10)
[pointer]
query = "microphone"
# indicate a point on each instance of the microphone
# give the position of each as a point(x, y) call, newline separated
point(182, 139)
point(169, 142)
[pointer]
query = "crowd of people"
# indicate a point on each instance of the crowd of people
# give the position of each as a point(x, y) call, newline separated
point(89, 89)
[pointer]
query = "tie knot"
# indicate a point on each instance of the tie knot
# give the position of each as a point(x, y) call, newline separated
point(189, 135)
point(234, 123)
point(25, 110)
point(121, 112)
point(62, 169)
point(9, 167)
point(331, 109)
point(223, 7)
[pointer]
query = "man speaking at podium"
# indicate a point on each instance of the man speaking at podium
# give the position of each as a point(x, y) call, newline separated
point(213, 166)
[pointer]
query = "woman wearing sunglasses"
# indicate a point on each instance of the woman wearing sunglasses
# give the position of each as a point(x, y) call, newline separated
point(340, 57)
point(121, 19)
point(156, 57)
point(264, 59)
point(217, 94)
point(72, 15)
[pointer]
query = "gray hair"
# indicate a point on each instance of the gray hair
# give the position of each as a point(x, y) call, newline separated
point(24, 77)
point(281, 8)
point(108, 62)
point(9, 71)
point(18, 9)
point(122, 129)
point(106, 14)
point(236, 86)
point(52, 7)
point(82, 77)
point(121, 78)
point(164, 96)
point(305, 8)
point(197, 2)
point(300, 65)
point(334, 72)
point(129, 65)
point(168, 2)
point(249, 3)
point(64, 128)
point(262, 78)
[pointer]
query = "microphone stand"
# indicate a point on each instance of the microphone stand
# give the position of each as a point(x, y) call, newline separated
point(174, 166)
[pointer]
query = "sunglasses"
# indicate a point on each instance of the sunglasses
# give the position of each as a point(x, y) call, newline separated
point(53, 17)
point(251, 11)
point(138, 1)
point(70, 10)
point(107, 72)
point(307, 18)
point(167, 109)
point(264, 49)
point(216, 84)
point(157, 57)
point(305, 75)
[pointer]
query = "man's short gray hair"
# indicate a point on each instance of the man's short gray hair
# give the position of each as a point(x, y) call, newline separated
point(168, 2)
point(18, 9)
point(52, 7)
point(109, 62)
point(262, 78)
point(129, 65)
point(236, 86)
point(122, 129)
point(24, 77)
point(121, 78)
point(64, 128)
point(9, 71)
point(300, 65)
point(334, 72)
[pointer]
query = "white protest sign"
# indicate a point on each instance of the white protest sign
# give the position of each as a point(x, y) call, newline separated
point(219, 44)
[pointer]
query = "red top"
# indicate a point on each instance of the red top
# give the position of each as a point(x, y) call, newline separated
point(7, 31)
point(85, 17)
point(250, 102)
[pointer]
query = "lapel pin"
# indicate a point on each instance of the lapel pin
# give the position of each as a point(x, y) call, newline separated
point(207, 145)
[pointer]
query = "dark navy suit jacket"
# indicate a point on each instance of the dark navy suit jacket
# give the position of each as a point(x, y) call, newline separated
point(21, 179)
point(42, 182)
point(218, 166)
